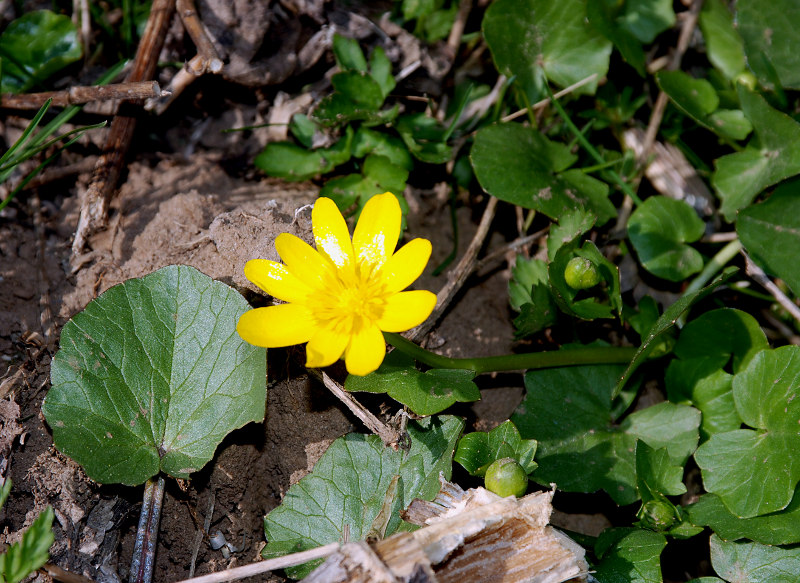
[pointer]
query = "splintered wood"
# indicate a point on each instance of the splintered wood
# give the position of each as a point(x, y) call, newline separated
point(465, 536)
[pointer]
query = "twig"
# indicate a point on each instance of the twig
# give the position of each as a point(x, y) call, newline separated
point(94, 206)
point(45, 306)
point(457, 30)
point(389, 436)
point(83, 94)
point(266, 566)
point(546, 101)
point(459, 275)
point(206, 527)
point(687, 29)
point(63, 575)
point(515, 245)
point(209, 61)
point(755, 272)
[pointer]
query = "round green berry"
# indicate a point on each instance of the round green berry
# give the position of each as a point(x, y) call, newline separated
point(505, 477)
point(581, 273)
point(658, 515)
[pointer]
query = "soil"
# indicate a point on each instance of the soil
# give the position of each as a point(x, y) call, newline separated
point(191, 203)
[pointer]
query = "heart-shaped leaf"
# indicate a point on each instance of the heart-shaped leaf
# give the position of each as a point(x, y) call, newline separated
point(632, 555)
point(478, 450)
point(754, 562)
point(769, 31)
point(151, 376)
point(724, 46)
point(755, 471)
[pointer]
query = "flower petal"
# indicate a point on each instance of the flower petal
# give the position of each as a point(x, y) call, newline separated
point(405, 266)
point(325, 348)
point(276, 326)
point(366, 350)
point(275, 279)
point(377, 231)
point(303, 261)
point(330, 232)
point(405, 310)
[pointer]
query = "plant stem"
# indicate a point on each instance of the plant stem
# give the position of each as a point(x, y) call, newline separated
point(533, 360)
point(715, 265)
point(144, 552)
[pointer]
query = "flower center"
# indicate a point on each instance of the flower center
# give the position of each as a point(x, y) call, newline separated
point(350, 301)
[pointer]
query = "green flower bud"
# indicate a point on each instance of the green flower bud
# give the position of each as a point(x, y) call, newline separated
point(581, 273)
point(505, 477)
point(658, 515)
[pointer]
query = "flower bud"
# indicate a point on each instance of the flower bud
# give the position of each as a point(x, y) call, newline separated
point(581, 273)
point(658, 515)
point(505, 477)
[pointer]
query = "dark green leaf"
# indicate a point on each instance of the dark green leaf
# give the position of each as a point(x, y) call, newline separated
point(348, 53)
point(646, 19)
point(425, 393)
point(602, 15)
point(770, 231)
point(695, 97)
point(367, 141)
point(656, 473)
point(26, 556)
point(755, 472)
point(659, 229)
point(478, 450)
point(723, 44)
point(754, 563)
point(303, 129)
point(349, 484)
point(151, 376)
point(424, 137)
point(380, 68)
point(533, 180)
point(34, 46)
point(769, 31)
point(629, 555)
point(581, 447)
point(559, 44)
point(291, 162)
point(570, 226)
point(573, 301)
point(775, 156)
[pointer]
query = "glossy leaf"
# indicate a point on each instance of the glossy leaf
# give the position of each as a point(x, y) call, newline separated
point(777, 528)
point(151, 376)
point(35, 46)
point(478, 450)
point(755, 471)
point(424, 137)
point(770, 231)
point(591, 449)
point(656, 473)
point(367, 141)
point(349, 485)
point(632, 555)
point(695, 97)
point(775, 156)
point(292, 162)
point(559, 44)
point(769, 30)
point(659, 229)
point(724, 45)
point(740, 562)
point(348, 53)
point(425, 393)
point(646, 19)
point(536, 180)
point(575, 302)
point(378, 175)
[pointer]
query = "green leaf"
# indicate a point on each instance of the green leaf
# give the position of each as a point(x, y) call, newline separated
point(536, 180)
point(348, 53)
point(734, 335)
point(582, 447)
point(534, 40)
point(23, 558)
point(571, 225)
point(656, 473)
point(659, 229)
point(667, 321)
point(602, 15)
point(755, 472)
point(526, 275)
point(367, 141)
point(646, 19)
point(291, 162)
point(770, 231)
point(629, 555)
point(777, 528)
point(349, 484)
point(753, 562)
point(724, 46)
point(730, 123)
point(425, 138)
point(775, 156)
point(573, 301)
point(695, 97)
point(151, 376)
point(425, 393)
point(478, 450)
point(380, 68)
point(35, 46)
point(769, 30)
point(303, 129)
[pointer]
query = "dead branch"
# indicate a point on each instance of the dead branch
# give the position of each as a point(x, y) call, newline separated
point(83, 94)
point(94, 205)
point(208, 61)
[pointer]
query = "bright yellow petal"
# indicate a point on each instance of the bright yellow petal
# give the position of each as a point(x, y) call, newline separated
point(275, 279)
point(275, 326)
point(404, 267)
point(405, 310)
point(303, 261)
point(330, 232)
point(378, 230)
point(365, 352)
point(325, 348)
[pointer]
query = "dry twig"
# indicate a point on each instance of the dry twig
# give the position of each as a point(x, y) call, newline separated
point(83, 94)
point(755, 272)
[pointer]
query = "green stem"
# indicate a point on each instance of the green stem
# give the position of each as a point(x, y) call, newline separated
point(714, 266)
point(533, 360)
point(623, 186)
point(144, 552)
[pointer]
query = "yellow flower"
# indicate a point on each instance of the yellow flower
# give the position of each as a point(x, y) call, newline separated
point(343, 294)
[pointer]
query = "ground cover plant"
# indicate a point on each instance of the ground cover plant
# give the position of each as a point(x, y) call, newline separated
point(632, 168)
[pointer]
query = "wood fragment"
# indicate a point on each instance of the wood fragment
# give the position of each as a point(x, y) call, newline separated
point(95, 202)
point(208, 60)
point(83, 94)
